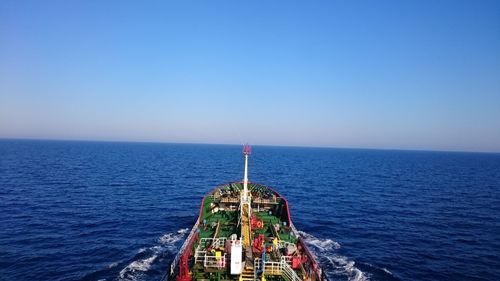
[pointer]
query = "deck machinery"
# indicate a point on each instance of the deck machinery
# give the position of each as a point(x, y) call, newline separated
point(244, 232)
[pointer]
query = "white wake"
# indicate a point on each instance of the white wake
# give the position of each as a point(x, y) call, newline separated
point(334, 265)
point(168, 243)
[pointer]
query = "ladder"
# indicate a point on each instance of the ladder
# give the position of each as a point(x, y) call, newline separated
point(248, 274)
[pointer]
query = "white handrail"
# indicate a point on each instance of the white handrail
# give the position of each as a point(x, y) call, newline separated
point(283, 244)
point(216, 242)
point(289, 272)
point(215, 262)
point(275, 268)
point(199, 255)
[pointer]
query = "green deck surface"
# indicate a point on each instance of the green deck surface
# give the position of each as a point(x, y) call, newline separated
point(227, 222)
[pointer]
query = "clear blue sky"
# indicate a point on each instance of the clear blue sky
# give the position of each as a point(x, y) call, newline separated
point(375, 74)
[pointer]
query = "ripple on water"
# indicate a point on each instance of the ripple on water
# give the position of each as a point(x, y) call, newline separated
point(113, 210)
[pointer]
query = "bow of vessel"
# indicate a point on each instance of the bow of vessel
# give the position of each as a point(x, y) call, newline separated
point(244, 232)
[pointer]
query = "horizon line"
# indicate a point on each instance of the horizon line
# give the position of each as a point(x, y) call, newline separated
point(238, 144)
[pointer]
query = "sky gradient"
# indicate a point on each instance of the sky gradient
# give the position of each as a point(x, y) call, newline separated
point(369, 74)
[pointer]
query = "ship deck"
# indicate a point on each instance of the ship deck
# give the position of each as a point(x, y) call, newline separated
point(275, 250)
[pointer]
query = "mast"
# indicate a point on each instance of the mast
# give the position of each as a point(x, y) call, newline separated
point(245, 203)
point(246, 151)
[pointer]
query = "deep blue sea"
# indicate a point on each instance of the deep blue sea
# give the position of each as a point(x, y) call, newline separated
point(119, 211)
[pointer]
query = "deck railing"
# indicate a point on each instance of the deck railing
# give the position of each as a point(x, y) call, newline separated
point(214, 261)
point(199, 256)
point(193, 232)
point(230, 199)
point(287, 259)
point(200, 253)
point(215, 242)
point(284, 244)
point(260, 200)
point(288, 272)
point(277, 268)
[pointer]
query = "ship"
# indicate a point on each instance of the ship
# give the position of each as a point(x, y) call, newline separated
point(244, 232)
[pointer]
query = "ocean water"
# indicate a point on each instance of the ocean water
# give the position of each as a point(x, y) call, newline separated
point(119, 211)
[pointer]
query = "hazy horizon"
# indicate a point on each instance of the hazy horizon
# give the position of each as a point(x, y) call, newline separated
point(412, 75)
point(242, 144)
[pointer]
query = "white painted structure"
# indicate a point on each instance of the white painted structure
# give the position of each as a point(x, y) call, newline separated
point(236, 257)
point(245, 178)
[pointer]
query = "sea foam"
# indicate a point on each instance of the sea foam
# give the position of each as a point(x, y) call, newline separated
point(333, 264)
point(147, 256)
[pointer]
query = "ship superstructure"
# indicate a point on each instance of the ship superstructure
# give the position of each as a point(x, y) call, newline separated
point(244, 232)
